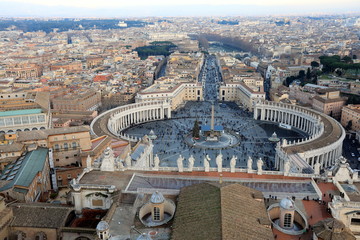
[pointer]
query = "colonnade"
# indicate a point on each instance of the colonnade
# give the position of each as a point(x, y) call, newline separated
point(322, 146)
point(290, 115)
point(136, 113)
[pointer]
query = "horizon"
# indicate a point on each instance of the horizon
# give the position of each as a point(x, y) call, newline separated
point(161, 8)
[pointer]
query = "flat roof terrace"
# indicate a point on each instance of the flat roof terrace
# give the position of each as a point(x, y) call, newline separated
point(332, 133)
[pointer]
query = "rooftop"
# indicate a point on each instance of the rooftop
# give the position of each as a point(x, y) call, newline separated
point(40, 215)
point(207, 211)
point(20, 112)
point(23, 171)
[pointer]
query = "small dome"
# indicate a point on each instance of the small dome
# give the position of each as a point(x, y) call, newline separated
point(287, 203)
point(102, 226)
point(144, 236)
point(157, 197)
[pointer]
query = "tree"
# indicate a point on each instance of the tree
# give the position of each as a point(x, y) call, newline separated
point(196, 130)
point(314, 64)
point(354, 56)
point(301, 74)
point(308, 74)
point(347, 59)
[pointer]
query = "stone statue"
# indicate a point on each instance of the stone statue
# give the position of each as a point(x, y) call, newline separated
point(180, 163)
point(207, 163)
point(286, 168)
point(191, 163)
point(317, 168)
point(259, 166)
point(88, 162)
point(249, 164)
point(156, 162)
point(233, 163)
point(108, 161)
point(120, 165)
point(219, 162)
point(128, 160)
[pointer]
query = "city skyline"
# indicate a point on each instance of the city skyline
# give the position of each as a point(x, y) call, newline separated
point(141, 8)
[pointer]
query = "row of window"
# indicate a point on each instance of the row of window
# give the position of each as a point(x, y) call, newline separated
point(66, 146)
point(12, 121)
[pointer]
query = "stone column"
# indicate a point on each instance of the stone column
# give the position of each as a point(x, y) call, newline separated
point(77, 202)
point(169, 112)
point(262, 114)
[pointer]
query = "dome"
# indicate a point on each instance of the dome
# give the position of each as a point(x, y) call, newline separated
point(157, 197)
point(102, 226)
point(144, 236)
point(287, 203)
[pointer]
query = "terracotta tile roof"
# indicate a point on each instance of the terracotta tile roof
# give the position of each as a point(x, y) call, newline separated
point(334, 229)
point(40, 215)
point(220, 211)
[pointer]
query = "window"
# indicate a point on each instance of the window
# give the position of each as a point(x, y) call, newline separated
point(20, 235)
point(156, 216)
point(74, 145)
point(25, 120)
point(33, 119)
point(287, 220)
point(56, 147)
point(17, 120)
point(66, 146)
point(355, 221)
point(40, 236)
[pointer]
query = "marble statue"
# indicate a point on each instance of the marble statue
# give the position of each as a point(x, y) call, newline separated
point(207, 163)
point(108, 161)
point(120, 165)
point(156, 162)
point(219, 162)
point(286, 168)
point(233, 163)
point(191, 163)
point(259, 166)
point(249, 164)
point(88, 162)
point(128, 160)
point(317, 168)
point(180, 163)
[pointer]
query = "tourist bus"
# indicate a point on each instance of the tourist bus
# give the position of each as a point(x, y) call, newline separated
point(286, 126)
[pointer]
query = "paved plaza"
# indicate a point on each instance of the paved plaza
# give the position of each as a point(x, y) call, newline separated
point(243, 136)
point(253, 135)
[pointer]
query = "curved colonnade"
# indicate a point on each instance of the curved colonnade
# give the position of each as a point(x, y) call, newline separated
point(320, 150)
point(125, 116)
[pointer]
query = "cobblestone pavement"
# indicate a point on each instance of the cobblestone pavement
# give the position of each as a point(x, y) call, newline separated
point(253, 135)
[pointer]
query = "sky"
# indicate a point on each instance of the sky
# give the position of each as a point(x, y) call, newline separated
point(141, 8)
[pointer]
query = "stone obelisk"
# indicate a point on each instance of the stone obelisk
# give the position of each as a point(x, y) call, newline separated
point(212, 118)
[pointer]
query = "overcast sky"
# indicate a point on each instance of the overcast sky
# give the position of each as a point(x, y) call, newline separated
point(116, 8)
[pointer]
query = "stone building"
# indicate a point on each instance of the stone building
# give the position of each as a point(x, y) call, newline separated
point(38, 221)
point(78, 100)
point(328, 101)
point(28, 177)
point(24, 112)
point(68, 67)
point(6, 214)
point(351, 113)
point(24, 71)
